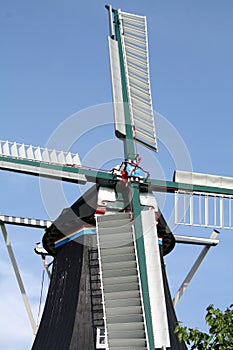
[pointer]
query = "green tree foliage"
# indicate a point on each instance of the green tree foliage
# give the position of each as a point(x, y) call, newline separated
point(220, 335)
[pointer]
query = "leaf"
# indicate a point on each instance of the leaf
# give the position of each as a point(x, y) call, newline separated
point(220, 336)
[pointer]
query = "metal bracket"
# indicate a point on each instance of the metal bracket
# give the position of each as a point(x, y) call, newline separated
point(194, 268)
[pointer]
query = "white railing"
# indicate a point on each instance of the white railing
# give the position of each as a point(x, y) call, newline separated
point(14, 220)
point(204, 209)
point(36, 153)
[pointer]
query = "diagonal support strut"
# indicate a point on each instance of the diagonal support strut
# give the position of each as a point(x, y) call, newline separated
point(18, 277)
point(193, 270)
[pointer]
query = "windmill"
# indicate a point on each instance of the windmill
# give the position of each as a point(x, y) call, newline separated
point(131, 58)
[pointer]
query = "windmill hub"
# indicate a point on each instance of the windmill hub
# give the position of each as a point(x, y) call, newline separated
point(130, 171)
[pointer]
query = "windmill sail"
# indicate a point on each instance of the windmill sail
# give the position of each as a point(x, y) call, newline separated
point(74, 310)
point(208, 204)
point(129, 61)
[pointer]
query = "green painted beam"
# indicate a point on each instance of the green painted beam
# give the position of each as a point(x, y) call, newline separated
point(101, 177)
point(171, 186)
point(142, 261)
point(129, 152)
point(129, 148)
point(69, 173)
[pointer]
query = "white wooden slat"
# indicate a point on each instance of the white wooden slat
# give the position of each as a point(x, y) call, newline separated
point(14, 150)
point(6, 149)
point(134, 33)
point(142, 110)
point(142, 125)
point(143, 95)
point(144, 137)
point(119, 278)
point(61, 157)
point(69, 159)
point(140, 53)
point(143, 72)
point(136, 72)
point(139, 101)
point(135, 50)
point(130, 18)
point(133, 29)
point(37, 154)
point(210, 210)
point(76, 159)
point(155, 278)
point(221, 209)
point(137, 64)
point(139, 116)
point(29, 152)
point(138, 89)
point(22, 152)
point(53, 157)
point(136, 44)
point(45, 156)
point(134, 56)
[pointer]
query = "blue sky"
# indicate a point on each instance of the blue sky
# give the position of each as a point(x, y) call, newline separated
point(54, 62)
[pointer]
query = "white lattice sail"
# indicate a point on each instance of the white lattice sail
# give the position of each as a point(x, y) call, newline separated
point(135, 58)
point(201, 208)
point(13, 156)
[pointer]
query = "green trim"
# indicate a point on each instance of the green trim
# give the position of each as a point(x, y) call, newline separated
point(128, 141)
point(103, 178)
point(108, 179)
point(142, 262)
point(171, 186)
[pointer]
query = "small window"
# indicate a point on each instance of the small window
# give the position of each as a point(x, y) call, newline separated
point(100, 339)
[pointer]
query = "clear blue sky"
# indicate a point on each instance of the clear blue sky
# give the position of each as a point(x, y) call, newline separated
point(54, 62)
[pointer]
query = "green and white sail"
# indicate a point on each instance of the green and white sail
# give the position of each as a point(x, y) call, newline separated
point(129, 60)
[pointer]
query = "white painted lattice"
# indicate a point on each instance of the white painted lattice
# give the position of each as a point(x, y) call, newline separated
point(22, 151)
point(134, 39)
point(204, 209)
